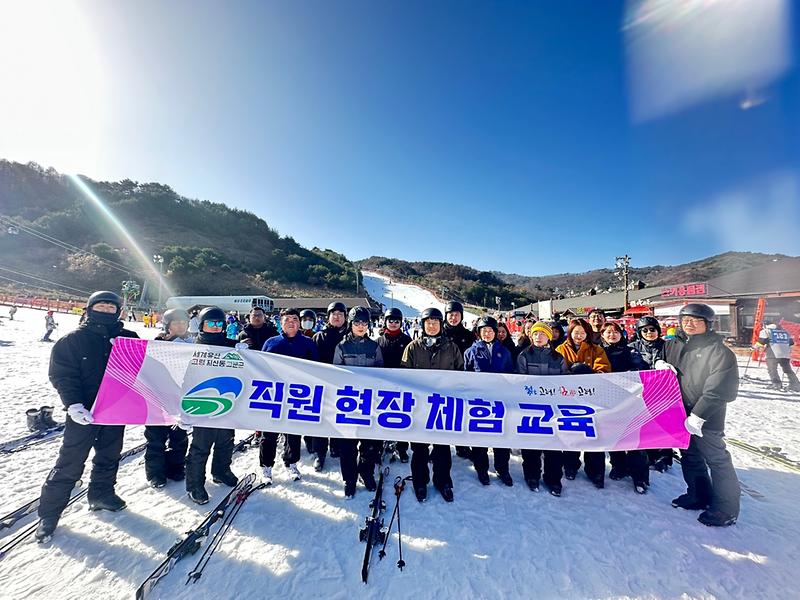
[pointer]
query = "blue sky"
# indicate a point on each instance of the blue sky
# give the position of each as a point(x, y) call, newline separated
point(505, 136)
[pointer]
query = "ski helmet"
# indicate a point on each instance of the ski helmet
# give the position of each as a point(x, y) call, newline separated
point(454, 306)
point(211, 313)
point(648, 322)
point(699, 310)
point(104, 296)
point(487, 321)
point(307, 313)
point(334, 306)
point(174, 314)
point(359, 313)
point(393, 313)
point(431, 313)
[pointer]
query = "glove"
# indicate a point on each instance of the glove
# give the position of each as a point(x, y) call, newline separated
point(662, 365)
point(694, 425)
point(79, 413)
point(112, 340)
point(183, 425)
point(241, 346)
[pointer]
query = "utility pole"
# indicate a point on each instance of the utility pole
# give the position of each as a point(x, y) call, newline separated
point(622, 264)
point(159, 260)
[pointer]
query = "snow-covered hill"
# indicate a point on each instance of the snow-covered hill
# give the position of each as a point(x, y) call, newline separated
point(300, 539)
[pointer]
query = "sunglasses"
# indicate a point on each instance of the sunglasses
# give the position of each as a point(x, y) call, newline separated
point(215, 323)
point(360, 323)
point(649, 330)
point(395, 321)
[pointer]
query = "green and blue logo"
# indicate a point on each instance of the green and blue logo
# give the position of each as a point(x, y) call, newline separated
point(212, 397)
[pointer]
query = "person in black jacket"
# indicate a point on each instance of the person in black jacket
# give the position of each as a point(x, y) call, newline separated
point(624, 358)
point(393, 342)
point(212, 333)
point(77, 366)
point(326, 341)
point(650, 345)
point(259, 330)
point(540, 359)
point(463, 339)
point(709, 378)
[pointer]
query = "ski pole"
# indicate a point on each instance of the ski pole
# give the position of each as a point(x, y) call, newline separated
point(400, 563)
point(398, 481)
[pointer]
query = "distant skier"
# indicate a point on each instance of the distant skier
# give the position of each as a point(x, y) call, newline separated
point(11, 312)
point(77, 365)
point(778, 343)
point(194, 325)
point(50, 326)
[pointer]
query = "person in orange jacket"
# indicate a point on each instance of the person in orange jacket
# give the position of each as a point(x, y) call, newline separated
point(582, 357)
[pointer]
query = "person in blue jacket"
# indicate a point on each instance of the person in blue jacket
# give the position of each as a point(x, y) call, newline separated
point(487, 354)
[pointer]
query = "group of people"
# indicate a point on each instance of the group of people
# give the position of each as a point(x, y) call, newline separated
point(706, 370)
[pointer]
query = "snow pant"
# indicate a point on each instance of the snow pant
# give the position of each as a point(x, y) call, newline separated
point(358, 458)
point(442, 461)
point(78, 440)
point(47, 335)
point(480, 458)
point(721, 490)
point(532, 466)
point(633, 463)
point(660, 453)
point(161, 461)
point(786, 365)
point(268, 446)
point(594, 463)
point(203, 438)
point(317, 445)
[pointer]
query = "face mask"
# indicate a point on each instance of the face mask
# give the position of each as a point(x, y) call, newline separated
point(102, 318)
point(430, 341)
point(307, 324)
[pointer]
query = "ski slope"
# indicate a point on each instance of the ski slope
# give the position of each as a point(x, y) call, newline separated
point(300, 539)
point(409, 298)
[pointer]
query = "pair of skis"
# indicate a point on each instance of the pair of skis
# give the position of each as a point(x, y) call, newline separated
point(769, 452)
point(224, 512)
point(32, 439)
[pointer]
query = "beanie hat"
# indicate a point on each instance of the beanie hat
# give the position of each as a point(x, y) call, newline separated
point(543, 327)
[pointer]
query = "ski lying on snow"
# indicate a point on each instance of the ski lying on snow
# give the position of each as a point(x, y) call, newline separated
point(768, 453)
point(373, 531)
point(32, 439)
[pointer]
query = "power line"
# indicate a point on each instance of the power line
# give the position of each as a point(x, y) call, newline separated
point(29, 285)
point(64, 245)
point(55, 283)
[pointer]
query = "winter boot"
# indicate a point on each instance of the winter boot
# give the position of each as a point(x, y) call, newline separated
point(421, 493)
point(505, 477)
point(368, 479)
point(446, 491)
point(715, 518)
point(663, 464)
point(33, 416)
point(640, 487)
point(402, 455)
point(44, 532)
point(349, 489)
point(483, 477)
point(570, 474)
point(228, 478)
point(294, 472)
point(109, 501)
point(266, 475)
point(598, 482)
point(533, 484)
point(617, 473)
point(688, 502)
point(157, 481)
point(319, 464)
point(198, 495)
point(47, 417)
point(555, 490)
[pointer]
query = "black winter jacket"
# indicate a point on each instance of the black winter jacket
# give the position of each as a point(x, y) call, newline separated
point(650, 351)
point(358, 352)
point(78, 361)
point(392, 348)
point(708, 375)
point(540, 361)
point(460, 335)
point(258, 336)
point(624, 358)
point(327, 340)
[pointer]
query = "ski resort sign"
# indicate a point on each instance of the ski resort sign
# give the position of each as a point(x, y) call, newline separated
point(157, 383)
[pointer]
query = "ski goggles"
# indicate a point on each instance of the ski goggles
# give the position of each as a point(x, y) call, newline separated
point(360, 323)
point(649, 330)
point(215, 323)
point(395, 321)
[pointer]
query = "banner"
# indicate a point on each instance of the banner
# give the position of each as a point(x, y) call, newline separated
point(153, 383)
point(758, 321)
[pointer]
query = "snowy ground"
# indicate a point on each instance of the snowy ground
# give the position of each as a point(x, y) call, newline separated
point(411, 299)
point(300, 539)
